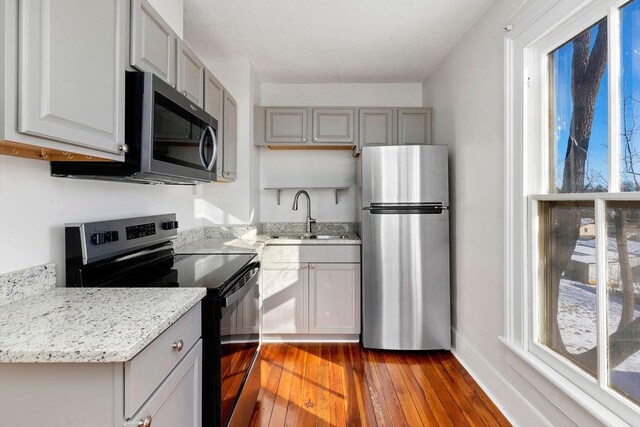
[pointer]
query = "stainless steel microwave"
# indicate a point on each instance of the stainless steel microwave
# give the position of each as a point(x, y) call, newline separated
point(169, 140)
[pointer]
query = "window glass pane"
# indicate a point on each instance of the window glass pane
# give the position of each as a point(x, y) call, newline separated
point(623, 233)
point(568, 293)
point(630, 96)
point(578, 117)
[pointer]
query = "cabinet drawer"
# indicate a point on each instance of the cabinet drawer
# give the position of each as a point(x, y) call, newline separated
point(178, 401)
point(150, 367)
point(312, 253)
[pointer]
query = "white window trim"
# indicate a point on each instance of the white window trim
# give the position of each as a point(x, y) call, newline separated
point(536, 29)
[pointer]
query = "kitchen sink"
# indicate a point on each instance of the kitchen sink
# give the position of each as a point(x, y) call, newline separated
point(310, 236)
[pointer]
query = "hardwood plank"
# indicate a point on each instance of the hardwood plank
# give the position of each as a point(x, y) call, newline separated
point(338, 416)
point(380, 408)
point(414, 391)
point(376, 358)
point(452, 364)
point(428, 391)
point(324, 399)
point(279, 412)
point(310, 390)
point(460, 400)
point(345, 384)
point(352, 408)
point(295, 408)
point(441, 391)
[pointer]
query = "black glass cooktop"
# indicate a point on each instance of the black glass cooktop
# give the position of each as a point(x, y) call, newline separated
point(208, 271)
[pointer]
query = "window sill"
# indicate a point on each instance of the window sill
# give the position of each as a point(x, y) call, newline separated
point(577, 395)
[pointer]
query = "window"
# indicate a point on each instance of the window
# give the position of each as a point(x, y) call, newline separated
point(573, 197)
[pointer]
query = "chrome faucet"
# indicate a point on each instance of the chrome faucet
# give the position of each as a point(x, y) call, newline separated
point(295, 208)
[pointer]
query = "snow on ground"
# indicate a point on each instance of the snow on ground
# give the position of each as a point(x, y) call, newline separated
point(577, 320)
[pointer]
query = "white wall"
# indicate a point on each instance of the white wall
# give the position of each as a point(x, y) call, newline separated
point(466, 92)
point(321, 168)
point(35, 206)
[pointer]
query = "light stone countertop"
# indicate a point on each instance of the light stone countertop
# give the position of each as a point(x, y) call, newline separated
point(256, 243)
point(80, 325)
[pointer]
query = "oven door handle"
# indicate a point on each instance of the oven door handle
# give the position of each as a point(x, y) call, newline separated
point(239, 294)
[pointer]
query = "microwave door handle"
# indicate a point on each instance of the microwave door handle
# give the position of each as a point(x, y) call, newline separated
point(208, 165)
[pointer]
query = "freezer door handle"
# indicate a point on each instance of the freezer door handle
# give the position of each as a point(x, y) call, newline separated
point(406, 208)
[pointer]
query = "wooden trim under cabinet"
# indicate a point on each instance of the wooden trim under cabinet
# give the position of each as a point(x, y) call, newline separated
point(26, 151)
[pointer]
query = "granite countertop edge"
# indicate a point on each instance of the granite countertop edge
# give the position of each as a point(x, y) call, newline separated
point(43, 353)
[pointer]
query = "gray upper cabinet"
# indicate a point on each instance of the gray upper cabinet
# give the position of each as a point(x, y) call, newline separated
point(190, 74)
point(376, 127)
point(153, 42)
point(214, 105)
point(414, 126)
point(71, 71)
point(286, 125)
point(230, 137)
point(333, 126)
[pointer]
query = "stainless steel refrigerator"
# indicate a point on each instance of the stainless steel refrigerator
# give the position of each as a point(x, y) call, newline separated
point(404, 225)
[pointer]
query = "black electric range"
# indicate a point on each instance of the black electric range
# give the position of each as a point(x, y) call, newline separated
point(137, 252)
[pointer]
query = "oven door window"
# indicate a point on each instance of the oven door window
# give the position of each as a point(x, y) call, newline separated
point(239, 344)
point(177, 134)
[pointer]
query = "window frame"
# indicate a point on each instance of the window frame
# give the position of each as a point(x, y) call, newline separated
point(533, 32)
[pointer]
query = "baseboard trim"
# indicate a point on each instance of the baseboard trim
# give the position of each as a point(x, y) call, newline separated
point(302, 338)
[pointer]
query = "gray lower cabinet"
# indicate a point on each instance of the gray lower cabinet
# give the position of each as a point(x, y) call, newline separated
point(230, 138)
point(334, 298)
point(286, 125)
point(153, 42)
point(414, 126)
point(64, 95)
point(178, 401)
point(311, 290)
point(189, 74)
point(161, 384)
point(376, 127)
point(284, 297)
point(333, 126)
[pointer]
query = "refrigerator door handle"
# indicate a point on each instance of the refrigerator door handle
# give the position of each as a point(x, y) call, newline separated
point(406, 208)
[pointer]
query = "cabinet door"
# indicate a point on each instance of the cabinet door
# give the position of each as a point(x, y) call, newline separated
point(334, 298)
point(376, 127)
point(214, 105)
point(414, 126)
point(286, 125)
point(153, 42)
point(230, 137)
point(333, 126)
point(190, 74)
point(72, 58)
point(178, 400)
point(284, 298)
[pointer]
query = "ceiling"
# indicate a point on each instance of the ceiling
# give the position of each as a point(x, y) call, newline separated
point(331, 41)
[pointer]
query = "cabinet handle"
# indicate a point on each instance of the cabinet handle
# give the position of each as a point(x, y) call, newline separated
point(304, 267)
point(304, 139)
point(173, 85)
point(312, 266)
point(123, 148)
point(315, 139)
point(146, 422)
point(178, 346)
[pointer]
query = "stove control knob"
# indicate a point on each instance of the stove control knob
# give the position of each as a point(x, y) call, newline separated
point(111, 236)
point(170, 225)
point(98, 239)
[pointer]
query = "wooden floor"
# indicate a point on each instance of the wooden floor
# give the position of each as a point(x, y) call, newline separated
point(345, 384)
